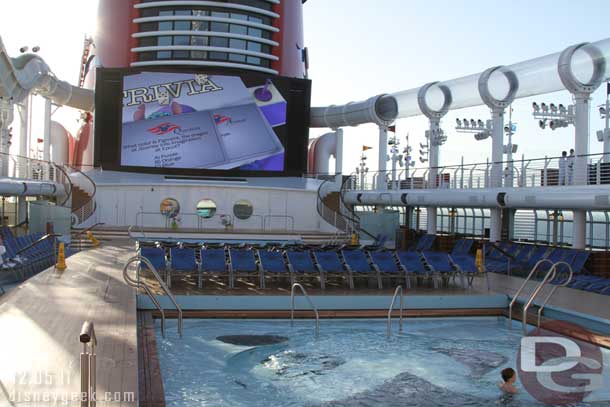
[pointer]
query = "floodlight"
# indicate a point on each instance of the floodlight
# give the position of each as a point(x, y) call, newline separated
point(542, 124)
point(466, 123)
point(536, 107)
point(553, 108)
point(421, 152)
point(423, 145)
point(544, 107)
point(36, 48)
point(473, 123)
point(422, 160)
point(481, 124)
point(562, 109)
point(459, 122)
point(602, 111)
point(506, 129)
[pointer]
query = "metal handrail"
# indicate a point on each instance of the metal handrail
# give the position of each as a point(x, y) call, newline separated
point(546, 300)
point(87, 364)
point(315, 310)
point(68, 187)
point(550, 275)
point(42, 239)
point(155, 273)
point(527, 279)
point(398, 289)
point(91, 200)
point(80, 232)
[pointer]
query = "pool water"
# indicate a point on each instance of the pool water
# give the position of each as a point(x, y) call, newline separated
point(434, 362)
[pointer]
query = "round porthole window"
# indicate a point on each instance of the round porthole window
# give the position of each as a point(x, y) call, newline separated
point(243, 209)
point(169, 207)
point(206, 208)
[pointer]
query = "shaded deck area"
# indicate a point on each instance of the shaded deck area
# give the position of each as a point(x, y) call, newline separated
point(40, 322)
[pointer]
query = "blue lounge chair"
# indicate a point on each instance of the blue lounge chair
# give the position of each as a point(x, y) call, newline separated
point(156, 256)
point(425, 242)
point(358, 265)
point(414, 266)
point(440, 265)
point(272, 263)
point(300, 263)
point(385, 264)
point(466, 266)
point(182, 260)
point(213, 262)
point(329, 263)
point(242, 263)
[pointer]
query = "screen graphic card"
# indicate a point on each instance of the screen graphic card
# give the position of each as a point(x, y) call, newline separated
point(173, 120)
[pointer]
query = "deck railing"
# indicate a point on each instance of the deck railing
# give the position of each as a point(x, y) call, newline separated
point(537, 172)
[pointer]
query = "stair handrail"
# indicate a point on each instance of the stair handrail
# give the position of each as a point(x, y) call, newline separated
point(67, 187)
point(91, 201)
point(555, 287)
point(164, 287)
point(550, 275)
point(527, 279)
point(389, 328)
point(78, 232)
point(353, 218)
point(37, 242)
point(322, 208)
point(313, 307)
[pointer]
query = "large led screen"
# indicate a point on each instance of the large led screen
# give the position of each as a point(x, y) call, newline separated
point(207, 122)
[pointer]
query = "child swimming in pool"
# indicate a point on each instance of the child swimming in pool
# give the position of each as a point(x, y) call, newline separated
point(509, 378)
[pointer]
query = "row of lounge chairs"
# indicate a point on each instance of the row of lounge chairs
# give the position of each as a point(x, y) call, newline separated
point(25, 255)
point(517, 258)
point(295, 262)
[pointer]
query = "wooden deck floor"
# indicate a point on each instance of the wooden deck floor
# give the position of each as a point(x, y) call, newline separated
point(40, 322)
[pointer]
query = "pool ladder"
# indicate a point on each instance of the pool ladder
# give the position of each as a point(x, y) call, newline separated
point(396, 292)
point(313, 307)
point(137, 283)
point(549, 276)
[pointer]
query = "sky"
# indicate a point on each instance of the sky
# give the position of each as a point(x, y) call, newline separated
point(360, 48)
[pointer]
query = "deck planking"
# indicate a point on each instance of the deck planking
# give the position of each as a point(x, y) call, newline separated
point(40, 322)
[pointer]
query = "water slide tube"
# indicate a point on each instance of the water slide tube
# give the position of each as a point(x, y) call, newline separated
point(29, 73)
point(585, 197)
point(576, 68)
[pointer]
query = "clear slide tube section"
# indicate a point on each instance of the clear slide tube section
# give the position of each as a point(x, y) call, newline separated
point(589, 64)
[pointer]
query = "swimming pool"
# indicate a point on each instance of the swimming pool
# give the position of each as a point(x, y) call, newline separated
point(434, 362)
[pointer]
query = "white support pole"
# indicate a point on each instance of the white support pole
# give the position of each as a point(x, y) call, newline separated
point(24, 133)
point(46, 146)
point(433, 163)
point(383, 154)
point(581, 150)
point(6, 118)
point(497, 146)
point(606, 157)
point(339, 158)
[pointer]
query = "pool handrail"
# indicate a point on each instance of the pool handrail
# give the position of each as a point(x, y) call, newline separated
point(138, 283)
point(315, 310)
point(549, 276)
point(389, 329)
point(555, 287)
point(87, 364)
point(527, 279)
